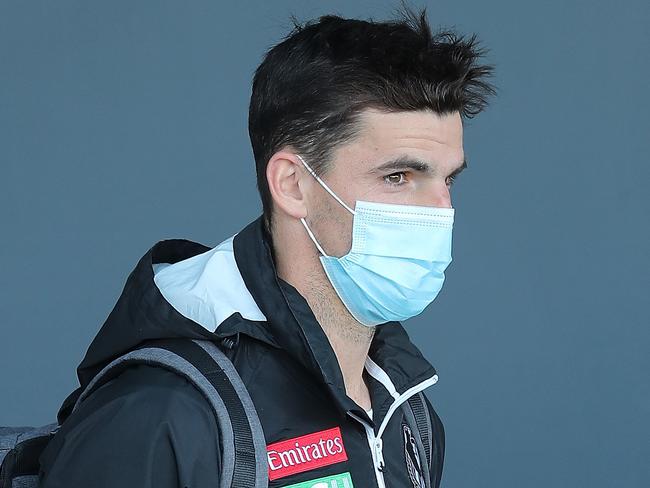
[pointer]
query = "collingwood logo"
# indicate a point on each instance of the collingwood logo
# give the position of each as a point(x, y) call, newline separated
point(305, 453)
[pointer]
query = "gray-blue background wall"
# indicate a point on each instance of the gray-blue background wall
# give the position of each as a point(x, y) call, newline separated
point(123, 123)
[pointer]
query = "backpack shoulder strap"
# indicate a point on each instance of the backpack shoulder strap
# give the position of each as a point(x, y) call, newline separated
point(423, 421)
point(244, 446)
point(417, 416)
point(20, 448)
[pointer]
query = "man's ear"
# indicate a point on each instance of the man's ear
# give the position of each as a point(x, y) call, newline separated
point(283, 176)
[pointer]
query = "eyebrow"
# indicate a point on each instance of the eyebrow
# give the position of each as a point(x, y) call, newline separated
point(407, 162)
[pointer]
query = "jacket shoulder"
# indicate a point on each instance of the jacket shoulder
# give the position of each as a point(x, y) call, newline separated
point(146, 427)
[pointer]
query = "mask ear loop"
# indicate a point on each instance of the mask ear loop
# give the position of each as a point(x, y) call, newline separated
point(322, 183)
point(311, 235)
point(325, 186)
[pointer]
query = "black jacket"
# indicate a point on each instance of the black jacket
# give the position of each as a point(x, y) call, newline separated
point(151, 428)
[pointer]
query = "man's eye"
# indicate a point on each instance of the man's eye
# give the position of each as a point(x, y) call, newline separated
point(395, 179)
point(450, 180)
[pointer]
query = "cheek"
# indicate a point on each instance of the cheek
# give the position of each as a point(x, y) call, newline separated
point(333, 227)
point(343, 235)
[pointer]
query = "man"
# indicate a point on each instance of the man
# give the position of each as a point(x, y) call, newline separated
point(356, 130)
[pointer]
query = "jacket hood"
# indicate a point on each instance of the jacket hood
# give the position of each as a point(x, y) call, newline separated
point(180, 288)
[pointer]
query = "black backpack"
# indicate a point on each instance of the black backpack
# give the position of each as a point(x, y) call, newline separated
point(240, 428)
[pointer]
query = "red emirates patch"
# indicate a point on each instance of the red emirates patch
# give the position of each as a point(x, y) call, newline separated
point(305, 453)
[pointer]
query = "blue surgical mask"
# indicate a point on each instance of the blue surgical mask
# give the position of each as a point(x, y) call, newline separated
point(396, 264)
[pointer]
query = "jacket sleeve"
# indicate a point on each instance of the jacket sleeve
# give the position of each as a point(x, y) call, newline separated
point(147, 428)
point(437, 447)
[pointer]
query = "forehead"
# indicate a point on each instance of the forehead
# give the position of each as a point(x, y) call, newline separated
point(422, 128)
point(422, 134)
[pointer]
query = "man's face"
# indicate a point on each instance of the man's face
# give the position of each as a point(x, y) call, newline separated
point(430, 148)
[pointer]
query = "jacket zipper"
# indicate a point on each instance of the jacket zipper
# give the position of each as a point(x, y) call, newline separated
point(375, 444)
point(374, 441)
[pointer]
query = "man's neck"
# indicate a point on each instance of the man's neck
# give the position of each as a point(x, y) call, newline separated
point(349, 339)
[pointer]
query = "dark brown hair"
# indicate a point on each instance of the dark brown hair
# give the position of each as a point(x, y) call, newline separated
point(310, 89)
